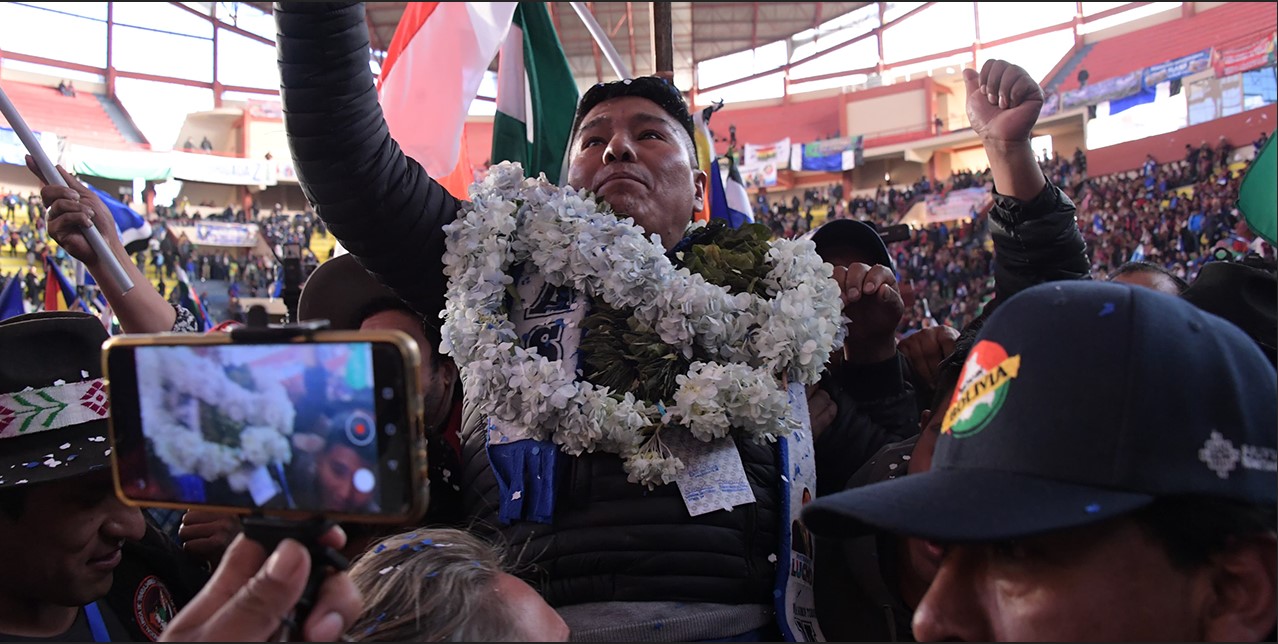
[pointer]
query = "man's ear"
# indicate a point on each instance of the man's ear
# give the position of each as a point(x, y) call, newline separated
point(700, 185)
point(1244, 591)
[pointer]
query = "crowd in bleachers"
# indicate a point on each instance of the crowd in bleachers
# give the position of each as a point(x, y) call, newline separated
point(1173, 214)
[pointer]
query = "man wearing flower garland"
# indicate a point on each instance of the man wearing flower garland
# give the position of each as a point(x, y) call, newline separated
point(620, 561)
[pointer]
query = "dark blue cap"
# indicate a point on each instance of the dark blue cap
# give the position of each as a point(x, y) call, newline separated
point(838, 234)
point(1082, 401)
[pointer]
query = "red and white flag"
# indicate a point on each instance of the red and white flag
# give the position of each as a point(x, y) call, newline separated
point(432, 72)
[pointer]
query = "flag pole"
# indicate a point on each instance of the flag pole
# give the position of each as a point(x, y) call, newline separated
point(51, 174)
point(662, 38)
point(605, 45)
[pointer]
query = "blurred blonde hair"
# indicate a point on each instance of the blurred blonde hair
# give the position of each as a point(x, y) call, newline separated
point(431, 585)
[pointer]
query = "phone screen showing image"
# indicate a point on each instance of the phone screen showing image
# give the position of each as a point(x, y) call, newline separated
point(307, 428)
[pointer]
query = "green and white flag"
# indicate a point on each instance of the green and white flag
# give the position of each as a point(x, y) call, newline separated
point(536, 95)
point(1257, 197)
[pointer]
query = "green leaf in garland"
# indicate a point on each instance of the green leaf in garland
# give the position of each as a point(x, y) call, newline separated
point(624, 357)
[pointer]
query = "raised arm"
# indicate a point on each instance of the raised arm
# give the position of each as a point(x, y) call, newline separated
point(380, 204)
point(1036, 238)
point(142, 309)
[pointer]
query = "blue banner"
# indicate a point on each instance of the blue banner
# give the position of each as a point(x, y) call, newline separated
point(833, 155)
point(14, 153)
point(1177, 68)
point(1105, 90)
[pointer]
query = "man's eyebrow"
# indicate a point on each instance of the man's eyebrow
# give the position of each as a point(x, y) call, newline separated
point(603, 118)
point(641, 118)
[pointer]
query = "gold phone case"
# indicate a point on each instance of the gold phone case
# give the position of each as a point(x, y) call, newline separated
point(407, 348)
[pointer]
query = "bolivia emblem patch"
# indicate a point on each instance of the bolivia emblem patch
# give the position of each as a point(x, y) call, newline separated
point(981, 389)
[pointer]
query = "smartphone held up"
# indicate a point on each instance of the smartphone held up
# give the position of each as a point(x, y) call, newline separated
point(326, 424)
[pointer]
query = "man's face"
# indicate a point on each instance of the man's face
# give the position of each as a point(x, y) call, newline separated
point(437, 376)
point(341, 485)
point(65, 545)
point(635, 156)
point(1105, 582)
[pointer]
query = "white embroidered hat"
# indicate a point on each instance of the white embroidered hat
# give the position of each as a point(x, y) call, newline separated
point(53, 400)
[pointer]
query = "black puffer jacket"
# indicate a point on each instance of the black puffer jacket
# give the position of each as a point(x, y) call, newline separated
point(1035, 241)
point(611, 540)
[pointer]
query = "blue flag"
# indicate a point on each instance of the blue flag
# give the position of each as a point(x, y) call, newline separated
point(11, 303)
point(134, 229)
point(739, 210)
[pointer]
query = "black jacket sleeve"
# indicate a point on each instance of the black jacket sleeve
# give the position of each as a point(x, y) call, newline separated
point(1036, 241)
point(379, 204)
point(876, 406)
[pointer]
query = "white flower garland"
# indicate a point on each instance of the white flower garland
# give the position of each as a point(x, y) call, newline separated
point(574, 240)
point(266, 416)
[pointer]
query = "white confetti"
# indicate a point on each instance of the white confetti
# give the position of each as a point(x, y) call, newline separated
point(21, 482)
point(772, 558)
point(97, 439)
point(84, 374)
point(892, 466)
point(447, 474)
point(905, 457)
point(107, 453)
point(385, 570)
point(516, 496)
point(59, 382)
point(65, 446)
point(52, 462)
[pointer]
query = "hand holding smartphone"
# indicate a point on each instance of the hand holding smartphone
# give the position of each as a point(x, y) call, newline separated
point(323, 425)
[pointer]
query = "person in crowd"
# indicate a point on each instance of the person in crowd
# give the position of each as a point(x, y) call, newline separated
point(865, 400)
point(1245, 292)
point(81, 565)
point(390, 215)
point(1146, 514)
point(72, 209)
point(332, 472)
point(867, 588)
point(1149, 275)
point(251, 597)
point(346, 295)
point(446, 585)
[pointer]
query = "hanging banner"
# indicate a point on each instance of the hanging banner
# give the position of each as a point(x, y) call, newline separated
point(1231, 95)
point(1244, 57)
point(1051, 105)
point(832, 155)
point(1202, 100)
point(777, 154)
point(13, 152)
point(120, 165)
point(218, 234)
point(209, 168)
point(1105, 90)
point(1178, 68)
point(759, 176)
